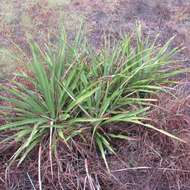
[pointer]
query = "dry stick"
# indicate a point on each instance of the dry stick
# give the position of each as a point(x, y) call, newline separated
point(7, 180)
point(60, 169)
point(50, 148)
point(2, 180)
point(39, 166)
point(31, 181)
point(67, 71)
point(85, 181)
point(88, 176)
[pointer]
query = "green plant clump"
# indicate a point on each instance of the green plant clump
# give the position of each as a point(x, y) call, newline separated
point(74, 88)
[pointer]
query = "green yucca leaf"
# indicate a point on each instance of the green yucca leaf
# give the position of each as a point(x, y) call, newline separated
point(21, 123)
point(11, 108)
point(102, 151)
point(123, 137)
point(87, 120)
point(31, 100)
point(84, 95)
point(105, 142)
point(31, 142)
point(42, 78)
point(31, 146)
point(21, 134)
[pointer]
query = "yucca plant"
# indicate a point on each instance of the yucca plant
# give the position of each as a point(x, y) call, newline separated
point(72, 86)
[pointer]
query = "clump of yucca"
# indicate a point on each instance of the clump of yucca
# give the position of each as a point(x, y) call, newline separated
point(72, 86)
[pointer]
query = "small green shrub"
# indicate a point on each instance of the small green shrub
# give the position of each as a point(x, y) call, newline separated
point(73, 86)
